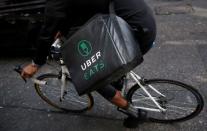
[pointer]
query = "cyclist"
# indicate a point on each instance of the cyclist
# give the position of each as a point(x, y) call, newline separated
point(59, 15)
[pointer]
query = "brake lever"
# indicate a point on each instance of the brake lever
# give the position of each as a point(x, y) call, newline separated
point(19, 69)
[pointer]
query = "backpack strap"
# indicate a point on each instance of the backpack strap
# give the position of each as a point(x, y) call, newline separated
point(111, 7)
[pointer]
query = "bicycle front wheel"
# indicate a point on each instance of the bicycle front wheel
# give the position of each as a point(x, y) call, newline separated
point(182, 102)
point(71, 101)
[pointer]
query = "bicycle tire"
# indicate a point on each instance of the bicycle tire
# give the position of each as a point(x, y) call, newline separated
point(54, 100)
point(156, 116)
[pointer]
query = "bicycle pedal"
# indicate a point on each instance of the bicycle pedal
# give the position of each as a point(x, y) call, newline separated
point(128, 114)
point(123, 111)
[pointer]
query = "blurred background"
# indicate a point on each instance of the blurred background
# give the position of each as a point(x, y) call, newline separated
point(20, 21)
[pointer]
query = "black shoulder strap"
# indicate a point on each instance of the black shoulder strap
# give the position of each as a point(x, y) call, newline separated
point(111, 7)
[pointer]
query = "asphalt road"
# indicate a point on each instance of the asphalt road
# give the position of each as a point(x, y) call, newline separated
point(180, 54)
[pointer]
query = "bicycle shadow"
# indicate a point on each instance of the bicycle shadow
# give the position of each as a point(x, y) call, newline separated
point(84, 114)
point(57, 112)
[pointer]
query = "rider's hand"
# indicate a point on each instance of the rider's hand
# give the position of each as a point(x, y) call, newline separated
point(29, 70)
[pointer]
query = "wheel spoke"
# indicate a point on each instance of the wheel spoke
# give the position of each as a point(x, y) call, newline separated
point(180, 108)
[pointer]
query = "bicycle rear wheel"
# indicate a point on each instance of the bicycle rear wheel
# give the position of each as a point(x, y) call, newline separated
point(72, 102)
point(182, 102)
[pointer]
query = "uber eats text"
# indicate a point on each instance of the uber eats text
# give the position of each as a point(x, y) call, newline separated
point(92, 66)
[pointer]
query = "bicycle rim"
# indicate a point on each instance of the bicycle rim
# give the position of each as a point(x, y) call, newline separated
point(71, 102)
point(182, 102)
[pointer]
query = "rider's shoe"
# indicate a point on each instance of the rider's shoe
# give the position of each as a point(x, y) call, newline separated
point(135, 116)
point(132, 122)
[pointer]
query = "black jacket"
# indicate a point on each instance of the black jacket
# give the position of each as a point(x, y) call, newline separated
point(60, 15)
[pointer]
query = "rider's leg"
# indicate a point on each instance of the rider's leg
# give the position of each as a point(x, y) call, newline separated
point(114, 96)
point(140, 17)
point(46, 38)
point(119, 100)
point(55, 19)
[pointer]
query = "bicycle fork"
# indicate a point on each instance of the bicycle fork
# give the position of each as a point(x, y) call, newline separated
point(64, 73)
point(138, 81)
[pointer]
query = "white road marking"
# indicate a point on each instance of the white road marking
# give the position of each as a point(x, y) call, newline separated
point(186, 42)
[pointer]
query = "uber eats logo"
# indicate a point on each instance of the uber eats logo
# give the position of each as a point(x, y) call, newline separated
point(92, 60)
point(84, 48)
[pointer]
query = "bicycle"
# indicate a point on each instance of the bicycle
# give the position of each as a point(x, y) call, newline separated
point(161, 100)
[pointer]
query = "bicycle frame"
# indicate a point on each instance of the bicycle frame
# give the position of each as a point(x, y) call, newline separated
point(64, 73)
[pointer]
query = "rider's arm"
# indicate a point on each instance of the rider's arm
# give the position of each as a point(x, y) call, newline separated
point(42, 51)
point(39, 59)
